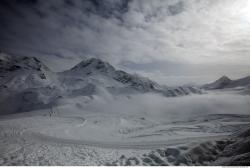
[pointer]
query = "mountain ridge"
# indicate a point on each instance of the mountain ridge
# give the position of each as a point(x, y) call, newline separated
point(225, 82)
point(94, 66)
point(32, 84)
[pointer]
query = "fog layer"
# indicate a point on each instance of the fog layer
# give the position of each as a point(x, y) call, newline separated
point(166, 109)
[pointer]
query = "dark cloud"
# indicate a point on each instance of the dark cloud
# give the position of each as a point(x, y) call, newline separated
point(159, 36)
point(176, 8)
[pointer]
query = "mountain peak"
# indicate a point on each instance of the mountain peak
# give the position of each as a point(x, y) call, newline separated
point(224, 78)
point(31, 63)
point(225, 82)
point(10, 63)
point(218, 84)
point(94, 65)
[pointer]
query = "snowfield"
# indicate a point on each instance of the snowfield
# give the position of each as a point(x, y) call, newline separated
point(93, 131)
point(93, 114)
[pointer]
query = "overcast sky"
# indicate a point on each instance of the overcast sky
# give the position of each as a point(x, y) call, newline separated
point(171, 41)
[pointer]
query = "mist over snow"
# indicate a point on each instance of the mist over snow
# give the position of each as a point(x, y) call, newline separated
point(169, 109)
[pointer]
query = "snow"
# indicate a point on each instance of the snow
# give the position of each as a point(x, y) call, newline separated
point(102, 74)
point(94, 114)
point(33, 85)
point(71, 133)
point(25, 148)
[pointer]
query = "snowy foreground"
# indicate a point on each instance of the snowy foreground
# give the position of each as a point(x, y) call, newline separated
point(209, 129)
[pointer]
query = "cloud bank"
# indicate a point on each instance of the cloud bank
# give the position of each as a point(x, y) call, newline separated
point(169, 109)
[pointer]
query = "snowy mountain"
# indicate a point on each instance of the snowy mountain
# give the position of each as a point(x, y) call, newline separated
point(97, 73)
point(218, 84)
point(100, 73)
point(27, 84)
point(94, 114)
point(225, 82)
point(18, 73)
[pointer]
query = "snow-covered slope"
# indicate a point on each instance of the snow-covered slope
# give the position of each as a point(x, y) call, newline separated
point(27, 84)
point(18, 73)
point(69, 121)
point(97, 73)
point(225, 82)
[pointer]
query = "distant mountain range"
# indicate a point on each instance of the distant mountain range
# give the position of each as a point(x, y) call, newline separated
point(225, 82)
point(27, 84)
